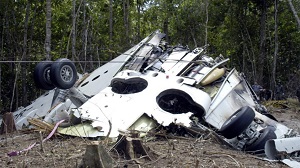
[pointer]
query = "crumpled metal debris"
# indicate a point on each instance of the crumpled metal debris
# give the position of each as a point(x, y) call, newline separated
point(155, 84)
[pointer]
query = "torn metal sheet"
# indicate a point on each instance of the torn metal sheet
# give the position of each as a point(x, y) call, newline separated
point(172, 60)
point(81, 130)
point(282, 148)
point(59, 112)
point(144, 124)
point(291, 163)
point(100, 78)
point(37, 109)
point(124, 109)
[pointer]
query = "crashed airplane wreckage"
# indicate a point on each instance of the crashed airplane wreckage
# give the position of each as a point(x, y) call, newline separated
point(154, 84)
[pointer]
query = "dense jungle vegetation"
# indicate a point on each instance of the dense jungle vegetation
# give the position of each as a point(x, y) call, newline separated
point(261, 37)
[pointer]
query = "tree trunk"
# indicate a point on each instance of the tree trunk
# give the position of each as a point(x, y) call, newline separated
point(30, 41)
point(138, 7)
point(206, 22)
point(8, 123)
point(91, 48)
point(273, 82)
point(126, 19)
point(166, 29)
point(262, 46)
point(73, 31)
point(72, 35)
point(48, 30)
point(14, 68)
point(2, 58)
point(249, 47)
point(166, 21)
point(110, 26)
point(24, 57)
point(294, 13)
point(84, 37)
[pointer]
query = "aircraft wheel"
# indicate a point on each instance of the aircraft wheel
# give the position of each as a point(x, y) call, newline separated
point(63, 73)
point(237, 122)
point(259, 145)
point(41, 75)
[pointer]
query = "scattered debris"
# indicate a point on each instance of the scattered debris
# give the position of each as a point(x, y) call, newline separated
point(154, 85)
point(15, 153)
point(40, 125)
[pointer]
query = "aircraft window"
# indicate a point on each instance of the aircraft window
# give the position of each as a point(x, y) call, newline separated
point(96, 77)
point(84, 83)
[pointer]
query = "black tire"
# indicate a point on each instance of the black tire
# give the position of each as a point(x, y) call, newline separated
point(41, 75)
point(63, 73)
point(258, 146)
point(176, 102)
point(237, 122)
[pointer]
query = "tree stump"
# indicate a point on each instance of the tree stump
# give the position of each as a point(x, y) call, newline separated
point(97, 156)
point(131, 146)
point(8, 123)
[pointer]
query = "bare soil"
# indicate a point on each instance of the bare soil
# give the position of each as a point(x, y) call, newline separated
point(66, 151)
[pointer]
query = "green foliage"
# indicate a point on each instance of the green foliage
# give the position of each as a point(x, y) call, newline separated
point(233, 30)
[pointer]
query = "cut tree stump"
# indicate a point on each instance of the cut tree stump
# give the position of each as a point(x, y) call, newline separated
point(132, 147)
point(96, 156)
point(8, 123)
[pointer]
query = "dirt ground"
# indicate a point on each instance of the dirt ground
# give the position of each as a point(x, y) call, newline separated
point(64, 151)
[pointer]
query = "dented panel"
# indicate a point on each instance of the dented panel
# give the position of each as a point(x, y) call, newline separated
point(282, 148)
point(122, 110)
point(231, 96)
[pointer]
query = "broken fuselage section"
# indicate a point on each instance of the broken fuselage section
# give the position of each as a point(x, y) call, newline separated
point(154, 83)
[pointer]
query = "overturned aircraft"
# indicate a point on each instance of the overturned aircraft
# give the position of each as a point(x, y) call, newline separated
point(153, 83)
